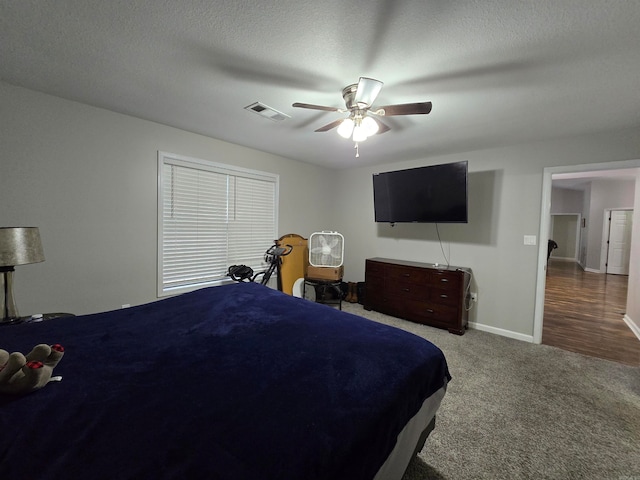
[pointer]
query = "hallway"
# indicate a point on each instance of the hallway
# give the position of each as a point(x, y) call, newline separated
point(583, 312)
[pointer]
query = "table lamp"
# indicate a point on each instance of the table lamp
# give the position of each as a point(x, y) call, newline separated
point(18, 246)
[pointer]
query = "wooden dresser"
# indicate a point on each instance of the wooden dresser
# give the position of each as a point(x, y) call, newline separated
point(420, 292)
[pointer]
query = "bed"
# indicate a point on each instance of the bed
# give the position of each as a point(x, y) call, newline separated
point(231, 382)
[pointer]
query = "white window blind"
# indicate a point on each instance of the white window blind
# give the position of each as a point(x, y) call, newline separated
point(211, 216)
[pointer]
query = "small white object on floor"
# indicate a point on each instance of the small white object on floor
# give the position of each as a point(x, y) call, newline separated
point(297, 287)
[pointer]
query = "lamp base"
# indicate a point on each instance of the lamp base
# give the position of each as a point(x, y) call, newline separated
point(7, 301)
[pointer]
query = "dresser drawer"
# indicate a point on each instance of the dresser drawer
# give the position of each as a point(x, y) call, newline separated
point(444, 279)
point(444, 315)
point(444, 296)
point(407, 290)
point(374, 286)
point(374, 283)
point(394, 306)
point(374, 268)
point(406, 275)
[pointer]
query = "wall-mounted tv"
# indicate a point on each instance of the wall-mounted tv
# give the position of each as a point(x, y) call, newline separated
point(431, 194)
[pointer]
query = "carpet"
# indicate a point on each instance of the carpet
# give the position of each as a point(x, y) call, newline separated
point(516, 410)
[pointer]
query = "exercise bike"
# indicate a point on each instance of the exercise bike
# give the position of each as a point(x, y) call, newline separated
point(273, 256)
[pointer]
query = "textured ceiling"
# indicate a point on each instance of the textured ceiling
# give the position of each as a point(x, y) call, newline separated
point(498, 72)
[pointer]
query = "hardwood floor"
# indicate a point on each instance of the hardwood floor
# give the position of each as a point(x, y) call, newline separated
point(583, 312)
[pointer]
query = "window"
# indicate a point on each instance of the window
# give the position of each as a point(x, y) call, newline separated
point(211, 216)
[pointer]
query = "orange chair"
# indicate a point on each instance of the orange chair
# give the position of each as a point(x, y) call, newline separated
point(294, 265)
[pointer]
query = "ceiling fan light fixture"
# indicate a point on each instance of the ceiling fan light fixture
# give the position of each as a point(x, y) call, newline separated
point(370, 126)
point(359, 133)
point(346, 128)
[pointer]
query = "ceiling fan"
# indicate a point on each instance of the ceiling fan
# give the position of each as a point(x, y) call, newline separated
point(362, 122)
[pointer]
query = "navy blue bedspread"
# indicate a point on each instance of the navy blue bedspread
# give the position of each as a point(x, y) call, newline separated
point(233, 382)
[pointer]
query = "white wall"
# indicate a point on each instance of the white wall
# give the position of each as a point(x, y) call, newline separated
point(605, 194)
point(566, 200)
point(504, 205)
point(87, 178)
point(564, 231)
point(633, 301)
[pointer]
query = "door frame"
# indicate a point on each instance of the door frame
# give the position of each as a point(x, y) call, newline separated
point(545, 219)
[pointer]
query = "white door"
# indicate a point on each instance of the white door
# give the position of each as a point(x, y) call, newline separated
point(619, 242)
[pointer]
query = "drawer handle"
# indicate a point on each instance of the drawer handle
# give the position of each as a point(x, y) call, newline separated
point(444, 280)
point(429, 310)
point(406, 290)
point(406, 274)
point(444, 296)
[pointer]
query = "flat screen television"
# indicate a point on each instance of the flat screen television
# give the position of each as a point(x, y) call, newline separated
point(431, 194)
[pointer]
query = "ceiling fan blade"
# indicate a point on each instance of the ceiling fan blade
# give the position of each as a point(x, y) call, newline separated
point(316, 107)
point(405, 109)
point(329, 126)
point(367, 91)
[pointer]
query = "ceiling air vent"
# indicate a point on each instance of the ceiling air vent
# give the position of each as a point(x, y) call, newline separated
point(267, 112)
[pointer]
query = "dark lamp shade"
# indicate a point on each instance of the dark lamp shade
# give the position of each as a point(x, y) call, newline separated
point(20, 246)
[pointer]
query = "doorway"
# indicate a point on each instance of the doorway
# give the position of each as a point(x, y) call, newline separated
point(565, 231)
point(545, 226)
point(583, 313)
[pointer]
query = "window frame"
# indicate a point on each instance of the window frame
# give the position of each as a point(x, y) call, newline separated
point(165, 158)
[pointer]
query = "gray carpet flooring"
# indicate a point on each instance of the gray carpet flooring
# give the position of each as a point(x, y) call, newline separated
point(515, 410)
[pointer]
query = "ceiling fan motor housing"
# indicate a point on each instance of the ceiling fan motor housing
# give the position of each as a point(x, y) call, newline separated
point(349, 95)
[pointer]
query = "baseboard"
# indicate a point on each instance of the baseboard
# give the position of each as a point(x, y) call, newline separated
point(592, 270)
point(502, 332)
point(632, 325)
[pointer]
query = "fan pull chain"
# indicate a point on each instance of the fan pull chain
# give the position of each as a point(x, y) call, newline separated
point(357, 150)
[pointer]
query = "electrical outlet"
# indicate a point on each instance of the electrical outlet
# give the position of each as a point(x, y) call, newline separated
point(474, 296)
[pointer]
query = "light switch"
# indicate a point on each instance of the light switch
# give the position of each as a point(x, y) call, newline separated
point(529, 239)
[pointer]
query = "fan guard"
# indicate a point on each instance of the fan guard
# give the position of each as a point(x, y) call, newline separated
point(326, 249)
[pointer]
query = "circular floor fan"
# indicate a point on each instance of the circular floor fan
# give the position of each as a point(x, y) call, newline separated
point(326, 249)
